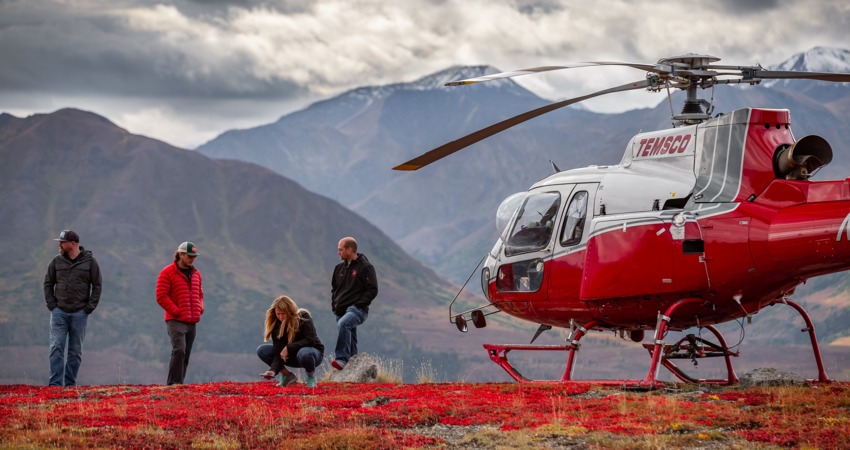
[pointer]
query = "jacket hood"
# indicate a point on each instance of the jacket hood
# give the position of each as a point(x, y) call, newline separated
point(84, 255)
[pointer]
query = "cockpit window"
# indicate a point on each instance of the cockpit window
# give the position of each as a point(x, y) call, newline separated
point(574, 222)
point(506, 212)
point(535, 220)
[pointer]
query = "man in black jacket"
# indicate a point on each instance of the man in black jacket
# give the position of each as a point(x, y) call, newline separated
point(72, 290)
point(353, 287)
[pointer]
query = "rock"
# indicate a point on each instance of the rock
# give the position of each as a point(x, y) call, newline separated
point(377, 401)
point(359, 369)
point(767, 376)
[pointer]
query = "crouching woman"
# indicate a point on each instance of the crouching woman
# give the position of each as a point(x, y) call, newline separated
point(294, 342)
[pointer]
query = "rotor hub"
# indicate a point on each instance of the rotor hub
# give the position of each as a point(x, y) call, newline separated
point(690, 61)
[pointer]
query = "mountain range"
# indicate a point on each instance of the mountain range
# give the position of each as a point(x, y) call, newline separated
point(133, 199)
point(267, 205)
point(444, 214)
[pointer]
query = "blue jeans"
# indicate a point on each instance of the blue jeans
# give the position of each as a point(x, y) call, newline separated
point(346, 342)
point(70, 327)
point(308, 357)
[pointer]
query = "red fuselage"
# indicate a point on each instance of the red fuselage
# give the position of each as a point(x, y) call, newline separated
point(741, 239)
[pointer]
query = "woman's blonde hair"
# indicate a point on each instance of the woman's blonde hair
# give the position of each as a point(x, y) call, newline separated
point(293, 322)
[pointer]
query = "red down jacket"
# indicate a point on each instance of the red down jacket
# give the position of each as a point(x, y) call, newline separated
point(174, 295)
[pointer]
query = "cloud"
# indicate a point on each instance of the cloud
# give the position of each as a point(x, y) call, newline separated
point(188, 52)
point(750, 6)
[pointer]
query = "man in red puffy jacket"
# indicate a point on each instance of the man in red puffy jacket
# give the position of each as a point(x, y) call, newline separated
point(179, 293)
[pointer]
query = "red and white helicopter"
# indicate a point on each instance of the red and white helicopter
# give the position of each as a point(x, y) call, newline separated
point(707, 222)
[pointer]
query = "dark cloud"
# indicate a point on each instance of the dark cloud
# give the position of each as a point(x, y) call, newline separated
point(63, 52)
point(749, 6)
point(538, 7)
point(195, 8)
point(152, 56)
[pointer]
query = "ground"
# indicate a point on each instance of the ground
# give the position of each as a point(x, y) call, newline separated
point(387, 415)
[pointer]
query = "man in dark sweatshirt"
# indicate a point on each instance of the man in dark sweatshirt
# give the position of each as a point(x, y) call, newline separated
point(353, 287)
point(72, 290)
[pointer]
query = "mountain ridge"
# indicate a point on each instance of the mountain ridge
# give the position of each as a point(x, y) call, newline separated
point(133, 199)
point(442, 214)
point(364, 143)
point(274, 235)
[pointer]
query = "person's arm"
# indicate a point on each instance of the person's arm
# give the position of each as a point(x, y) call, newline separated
point(201, 288)
point(370, 290)
point(49, 282)
point(163, 295)
point(305, 337)
point(279, 343)
point(333, 287)
point(96, 287)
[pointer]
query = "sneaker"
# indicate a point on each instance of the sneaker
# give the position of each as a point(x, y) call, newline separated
point(338, 365)
point(311, 382)
point(286, 380)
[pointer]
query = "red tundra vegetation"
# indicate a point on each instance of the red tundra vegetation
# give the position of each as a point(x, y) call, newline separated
point(262, 415)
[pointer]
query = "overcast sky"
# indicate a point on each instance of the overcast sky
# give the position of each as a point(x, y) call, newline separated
point(184, 71)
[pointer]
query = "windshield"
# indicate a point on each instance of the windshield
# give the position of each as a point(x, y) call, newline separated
point(506, 212)
point(535, 220)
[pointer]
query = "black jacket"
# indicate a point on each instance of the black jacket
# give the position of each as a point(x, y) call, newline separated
point(73, 285)
point(305, 337)
point(353, 284)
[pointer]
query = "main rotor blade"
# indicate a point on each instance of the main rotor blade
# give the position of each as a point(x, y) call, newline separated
point(516, 73)
point(787, 74)
point(447, 149)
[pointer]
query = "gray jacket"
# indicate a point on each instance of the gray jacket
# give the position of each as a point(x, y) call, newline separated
point(73, 285)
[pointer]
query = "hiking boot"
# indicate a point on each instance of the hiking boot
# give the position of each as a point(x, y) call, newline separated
point(311, 382)
point(338, 365)
point(286, 380)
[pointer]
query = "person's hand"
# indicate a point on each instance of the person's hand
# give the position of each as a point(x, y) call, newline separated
point(285, 353)
point(269, 374)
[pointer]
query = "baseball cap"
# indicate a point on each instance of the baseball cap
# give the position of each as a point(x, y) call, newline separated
point(68, 235)
point(188, 248)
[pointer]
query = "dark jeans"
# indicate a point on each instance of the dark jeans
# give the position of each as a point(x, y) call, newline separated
point(182, 336)
point(346, 342)
point(308, 357)
point(70, 327)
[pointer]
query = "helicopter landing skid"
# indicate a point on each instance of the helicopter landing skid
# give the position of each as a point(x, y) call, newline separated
point(660, 354)
point(693, 348)
point(689, 347)
point(810, 328)
point(499, 355)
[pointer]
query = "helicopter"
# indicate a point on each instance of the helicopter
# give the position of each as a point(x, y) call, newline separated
point(707, 222)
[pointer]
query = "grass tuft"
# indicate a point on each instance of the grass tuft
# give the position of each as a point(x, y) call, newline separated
point(425, 373)
point(390, 370)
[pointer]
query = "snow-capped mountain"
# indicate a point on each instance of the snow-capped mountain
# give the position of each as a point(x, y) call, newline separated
point(438, 80)
point(344, 148)
point(818, 59)
point(429, 82)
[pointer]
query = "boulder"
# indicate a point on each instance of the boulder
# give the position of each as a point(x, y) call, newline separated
point(377, 401)
point(359, 369)
point(767, 376)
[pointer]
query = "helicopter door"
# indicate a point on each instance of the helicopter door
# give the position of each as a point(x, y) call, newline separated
point(568, 260)
point(633, 256)
point(522, 273)
point(727, 251)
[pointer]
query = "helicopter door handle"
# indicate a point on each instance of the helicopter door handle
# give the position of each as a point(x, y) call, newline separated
point(705, 258)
